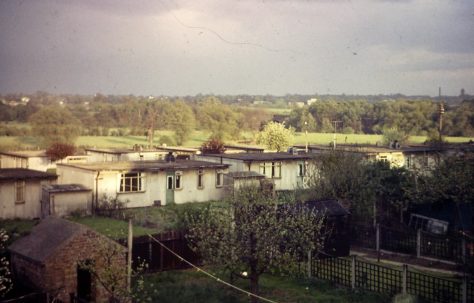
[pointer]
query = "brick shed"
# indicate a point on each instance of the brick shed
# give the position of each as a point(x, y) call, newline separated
point(47, 259)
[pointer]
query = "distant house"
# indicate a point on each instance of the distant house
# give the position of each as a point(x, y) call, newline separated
point(20, 192)
point(63, 199)
point(393, 156)
point(48, 260)
point(286, 170)
point(147, 183)
point(37, 160)
point(232, 149)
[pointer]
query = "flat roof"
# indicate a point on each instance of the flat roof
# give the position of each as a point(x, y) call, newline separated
point(63, 188)
point(25, 153)
point(155, 165)
point(7, 174)
point(262, 156)
point(364, 148)
point(244, 147)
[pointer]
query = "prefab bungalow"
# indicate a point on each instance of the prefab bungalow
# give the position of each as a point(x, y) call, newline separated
point(147, 183)
point(393, 156)
point(286, 170)
point(20, 192)
point(36, 159)
point(138, 153)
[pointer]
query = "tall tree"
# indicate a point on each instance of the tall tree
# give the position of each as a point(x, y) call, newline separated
point(254, 235)
point(55, 124)
point(275, 136)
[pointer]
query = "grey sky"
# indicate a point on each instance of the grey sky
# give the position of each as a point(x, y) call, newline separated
point(183, 47)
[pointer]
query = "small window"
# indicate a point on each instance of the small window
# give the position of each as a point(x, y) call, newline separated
point(200, 180)
point(131, 182)
point(271, 169)
point(178, 180)
point(20, 187)
point(169, 182)
point(301, 170)
point(219, 178)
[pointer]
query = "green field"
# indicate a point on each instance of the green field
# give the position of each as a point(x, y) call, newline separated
point(198, 137)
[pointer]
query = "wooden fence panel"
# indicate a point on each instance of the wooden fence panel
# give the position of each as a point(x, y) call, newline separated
point(434, 289)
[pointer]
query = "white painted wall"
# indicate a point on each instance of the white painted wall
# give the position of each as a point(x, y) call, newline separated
point(154, 186)
point(62, 204)
point(31, 208)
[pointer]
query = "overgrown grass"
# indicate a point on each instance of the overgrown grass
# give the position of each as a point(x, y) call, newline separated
point(193, 286)
point(113, 228)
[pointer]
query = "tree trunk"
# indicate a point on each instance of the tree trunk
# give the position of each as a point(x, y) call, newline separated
point(254, 285)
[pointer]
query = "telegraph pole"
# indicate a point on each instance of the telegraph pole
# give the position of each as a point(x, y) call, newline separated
point(441, 113)
point(335, 122)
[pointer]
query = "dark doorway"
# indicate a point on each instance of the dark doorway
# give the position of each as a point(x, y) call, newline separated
point(84, 283)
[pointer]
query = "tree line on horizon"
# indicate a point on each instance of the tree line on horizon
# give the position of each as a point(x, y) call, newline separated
point(138, 115)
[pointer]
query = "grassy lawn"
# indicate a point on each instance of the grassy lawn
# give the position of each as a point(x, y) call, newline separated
point(17, 228)
point(198, 137)
point(113, 228)
point(192, 286)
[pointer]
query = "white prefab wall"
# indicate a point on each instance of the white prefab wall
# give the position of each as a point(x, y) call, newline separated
point(63, 204)
point(30, 208)
point(107, 183)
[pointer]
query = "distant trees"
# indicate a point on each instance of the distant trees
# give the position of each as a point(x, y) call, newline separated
point(59, 151)
point(213, 146)
point(55, 124)
point(254, 235)
point(394, 136)
point(275, 136)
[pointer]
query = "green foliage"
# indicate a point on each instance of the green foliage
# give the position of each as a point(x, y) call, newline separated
point(359, 184)
point(59, 151)
point(276, 137)
point(254, 234)
point(164, 139)
point(109, 271)
point(5, 275)
point(55, 125)
point(218, 118)
point(450, 182)
point(391, 135)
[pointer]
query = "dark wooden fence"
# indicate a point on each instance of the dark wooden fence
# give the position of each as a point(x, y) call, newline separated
point(156, 257)
point(456, 249)
point(358, 274)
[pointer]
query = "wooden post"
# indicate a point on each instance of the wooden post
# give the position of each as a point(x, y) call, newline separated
point(377, 241)
point(418, 243)
point(463, 248)
point(404, 278)
point(129, 257)
point(353, 272)
point(310, 259)
point(464, 289)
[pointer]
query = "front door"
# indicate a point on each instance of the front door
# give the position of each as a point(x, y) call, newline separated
point(169, 187)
